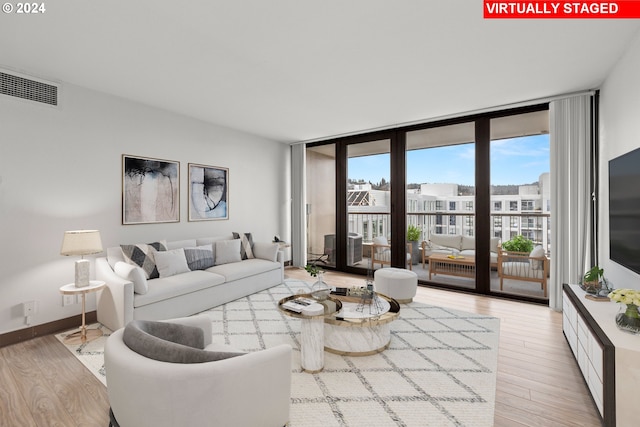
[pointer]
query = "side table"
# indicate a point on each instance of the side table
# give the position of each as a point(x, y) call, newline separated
point(83, 335)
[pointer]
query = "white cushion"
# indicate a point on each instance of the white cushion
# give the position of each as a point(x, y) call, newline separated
point(134, 274)
point(239, 270)
point(537, 252)
point(381, 240)
point(446, 241)
point(268, 251)
point(171, 262)
point(165, 288)
point(228, 251)
point(521, 269)
point(493, 244)
point(212, 241)
point(468, 243)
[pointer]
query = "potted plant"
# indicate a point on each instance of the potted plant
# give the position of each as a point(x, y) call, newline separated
point(592, 280)
point(518, 244)
point(413, 236)
point(312, 269)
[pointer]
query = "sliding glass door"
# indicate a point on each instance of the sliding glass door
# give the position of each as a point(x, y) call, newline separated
point(521, 204)
point(441, 203)
point(368, 203)
point(321, 204)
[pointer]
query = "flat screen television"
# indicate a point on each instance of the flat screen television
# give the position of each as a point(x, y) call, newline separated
point(624, 210)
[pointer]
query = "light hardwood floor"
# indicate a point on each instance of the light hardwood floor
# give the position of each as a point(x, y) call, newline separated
point(538, 382)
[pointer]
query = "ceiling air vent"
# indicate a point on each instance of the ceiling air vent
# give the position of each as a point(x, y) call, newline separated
point(29, 89)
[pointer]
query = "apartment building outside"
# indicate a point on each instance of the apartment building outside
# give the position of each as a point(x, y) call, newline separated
point(444, 209)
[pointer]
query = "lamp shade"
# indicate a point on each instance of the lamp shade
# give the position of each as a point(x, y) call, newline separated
point(81, 242)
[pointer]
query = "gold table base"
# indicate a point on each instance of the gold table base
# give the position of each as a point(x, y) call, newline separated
point(83, 336)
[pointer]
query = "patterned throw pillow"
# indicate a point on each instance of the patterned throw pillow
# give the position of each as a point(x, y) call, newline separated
point(246, 245)
point(200, 257)
point(141, 255)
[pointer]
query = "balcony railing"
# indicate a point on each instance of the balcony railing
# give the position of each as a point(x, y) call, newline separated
point(532, 225)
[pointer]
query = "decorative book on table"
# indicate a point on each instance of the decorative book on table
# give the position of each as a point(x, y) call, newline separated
point(298, 304)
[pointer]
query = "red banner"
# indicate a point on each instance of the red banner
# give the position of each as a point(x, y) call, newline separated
point(624, 9)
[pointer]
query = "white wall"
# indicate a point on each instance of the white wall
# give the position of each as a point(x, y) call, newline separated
point(60, 169)
point(619, 134)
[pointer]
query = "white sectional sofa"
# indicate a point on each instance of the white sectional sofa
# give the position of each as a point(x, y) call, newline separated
point(182, 288)
point(464, 245)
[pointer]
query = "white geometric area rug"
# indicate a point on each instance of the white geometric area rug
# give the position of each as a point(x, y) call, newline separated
point(439, 370)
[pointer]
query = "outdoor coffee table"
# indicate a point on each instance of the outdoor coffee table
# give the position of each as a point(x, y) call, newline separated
point(462, 266)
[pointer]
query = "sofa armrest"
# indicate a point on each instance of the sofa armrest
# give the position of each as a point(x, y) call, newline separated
point(115, 301)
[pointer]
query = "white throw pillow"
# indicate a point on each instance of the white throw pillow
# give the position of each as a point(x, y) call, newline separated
point(446, 241)
point(272, 253)
point(133, 274)
point(172, 262)
point(228, 251)
point(493, 244)
point(381, 240)
point(468, 243)
point(537, 252)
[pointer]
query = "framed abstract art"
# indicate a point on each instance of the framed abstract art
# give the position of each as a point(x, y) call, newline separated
point(150, 190)
point(208, 192)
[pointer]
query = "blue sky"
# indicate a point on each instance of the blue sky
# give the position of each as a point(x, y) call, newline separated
point(513, 161)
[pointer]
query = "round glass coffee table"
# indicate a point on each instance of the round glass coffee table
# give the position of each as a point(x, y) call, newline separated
point(347, 325)
point(361, 327)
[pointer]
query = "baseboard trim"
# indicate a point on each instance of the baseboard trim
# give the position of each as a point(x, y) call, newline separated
point(46, 329)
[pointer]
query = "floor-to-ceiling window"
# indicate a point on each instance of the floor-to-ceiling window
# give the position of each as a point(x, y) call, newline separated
point(454, 198)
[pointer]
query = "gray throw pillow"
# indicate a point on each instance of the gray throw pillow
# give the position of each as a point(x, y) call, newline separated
point(199, 258)
point(170, 342)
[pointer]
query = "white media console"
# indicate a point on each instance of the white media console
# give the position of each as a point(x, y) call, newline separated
point(608, 357)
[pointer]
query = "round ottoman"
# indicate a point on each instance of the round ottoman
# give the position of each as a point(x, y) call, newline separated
point(396, 283)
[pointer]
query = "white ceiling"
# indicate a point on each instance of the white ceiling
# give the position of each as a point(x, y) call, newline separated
point(294, 70)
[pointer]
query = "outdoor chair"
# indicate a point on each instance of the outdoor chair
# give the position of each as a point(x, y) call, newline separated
point(530, 267)
point(381, 252)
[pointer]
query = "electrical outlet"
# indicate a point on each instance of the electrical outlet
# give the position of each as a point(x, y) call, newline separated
point(68, 300)
point(29, 308)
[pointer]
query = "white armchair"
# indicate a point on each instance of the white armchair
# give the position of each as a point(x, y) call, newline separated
point(252, 389)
